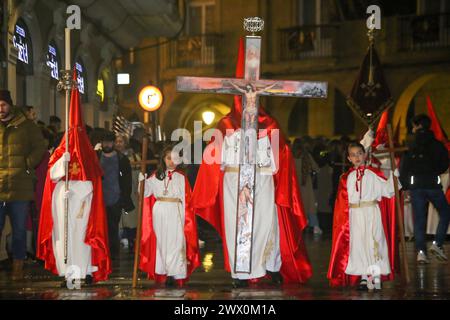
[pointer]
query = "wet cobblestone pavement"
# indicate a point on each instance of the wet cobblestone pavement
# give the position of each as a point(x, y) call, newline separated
point(211, 282)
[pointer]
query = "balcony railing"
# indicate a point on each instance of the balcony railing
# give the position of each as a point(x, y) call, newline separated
point(424, 32)
point(301, 42)
point(194, 51)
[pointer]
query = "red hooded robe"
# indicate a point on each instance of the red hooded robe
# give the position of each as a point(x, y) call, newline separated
point(340, 250)
point(207, 198)
point(83, 155)
point(147, 260)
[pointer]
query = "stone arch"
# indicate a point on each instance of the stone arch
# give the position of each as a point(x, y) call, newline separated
point(281, 111)
point(51, 98)
point(33, 94)
point(107, 72)
point(320, 114)
point(412, 100)
point(90, 106)
point(188, 108)
point(404, 101)
point(298, 119)
point(86, 53)
point(26, 13)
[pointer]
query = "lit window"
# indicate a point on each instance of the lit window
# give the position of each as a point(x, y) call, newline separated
point(101, 89)
point(20, 42)
point(80, 77)
point(52, 61)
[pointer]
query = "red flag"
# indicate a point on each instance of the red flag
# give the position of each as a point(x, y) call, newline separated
point(84, 166)
point(439, 134)
point(381, 134)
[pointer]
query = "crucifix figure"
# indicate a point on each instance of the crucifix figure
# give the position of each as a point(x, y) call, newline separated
point(250, 88)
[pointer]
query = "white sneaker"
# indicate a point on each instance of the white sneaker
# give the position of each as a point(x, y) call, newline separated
point(124, 242)
point(201, 243)
point(374, 283)
point(438, 252)
point(422, 258)
point(317, 230)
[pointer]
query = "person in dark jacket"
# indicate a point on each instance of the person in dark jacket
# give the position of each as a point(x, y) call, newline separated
point(22, 147)
point(421, 166)
point(117, 187)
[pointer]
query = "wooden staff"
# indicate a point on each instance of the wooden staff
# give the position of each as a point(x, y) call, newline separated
point(143, 163)
point(391, 150)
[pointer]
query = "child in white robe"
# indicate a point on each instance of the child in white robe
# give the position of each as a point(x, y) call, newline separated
point(368, 250)
point(169, 215)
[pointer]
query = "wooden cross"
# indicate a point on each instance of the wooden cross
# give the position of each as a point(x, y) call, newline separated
point(399, 210)
point(250, 88)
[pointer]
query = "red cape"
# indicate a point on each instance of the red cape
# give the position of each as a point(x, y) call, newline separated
point(341, 235)
point(85, 165)
point(147, 255)
point(207, 198)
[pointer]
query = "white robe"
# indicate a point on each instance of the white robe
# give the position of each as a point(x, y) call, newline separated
point(266, 253)
point(368, 247)
point(433, 214)
point(168, 223)
point(80, 198)
point(385, 167)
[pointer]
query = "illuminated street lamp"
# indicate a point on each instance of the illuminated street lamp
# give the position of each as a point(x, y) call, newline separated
point(208, 117)
point(150, 98)
point(123, 78)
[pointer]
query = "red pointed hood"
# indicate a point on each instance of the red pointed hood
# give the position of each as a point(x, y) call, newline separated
point(84, 163)
point(84, 166)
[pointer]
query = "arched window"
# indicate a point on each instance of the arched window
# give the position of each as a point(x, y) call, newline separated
point(53, 60)
point(22, 42)
point(3, 75)
point(81, 79)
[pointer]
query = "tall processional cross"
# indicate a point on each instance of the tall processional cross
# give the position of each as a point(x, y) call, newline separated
point(250, 88)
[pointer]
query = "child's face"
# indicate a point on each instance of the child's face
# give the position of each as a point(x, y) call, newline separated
point(169, 162)
point(356, 156)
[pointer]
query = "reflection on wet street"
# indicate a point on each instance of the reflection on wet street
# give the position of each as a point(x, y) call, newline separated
point(210, 281)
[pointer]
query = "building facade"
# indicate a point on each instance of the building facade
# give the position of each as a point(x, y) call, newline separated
point(32, 50)
point(322, 40)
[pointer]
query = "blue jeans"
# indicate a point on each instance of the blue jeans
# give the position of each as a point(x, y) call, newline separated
point(419, 201)
point(18, 212)
point(313, 220)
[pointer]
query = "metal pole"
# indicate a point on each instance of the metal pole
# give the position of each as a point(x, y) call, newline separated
point(66, 185)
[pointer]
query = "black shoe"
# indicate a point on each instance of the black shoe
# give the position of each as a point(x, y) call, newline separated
point(237, 283)
point(88, 280)
point(362, 285)
point(170, 282)
point(276, 277)
point(63, 284)
point(6, 264)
